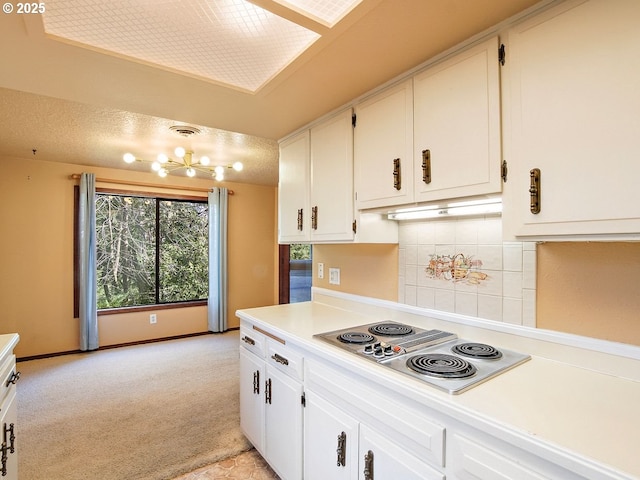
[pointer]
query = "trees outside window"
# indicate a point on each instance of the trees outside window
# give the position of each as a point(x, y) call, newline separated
point(150, 250)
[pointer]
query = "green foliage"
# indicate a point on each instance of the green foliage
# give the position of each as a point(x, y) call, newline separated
point(126, 250)
point(299, 251)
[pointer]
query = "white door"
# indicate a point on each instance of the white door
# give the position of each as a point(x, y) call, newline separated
point(457, 125)
point(330, 441)
point(332, 179)
point(252, 400)
point(293, 195)
point(383, 148)
point(573, 76)
point(283, 424)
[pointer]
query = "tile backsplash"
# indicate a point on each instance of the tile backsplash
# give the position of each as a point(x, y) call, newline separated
point(463, 266)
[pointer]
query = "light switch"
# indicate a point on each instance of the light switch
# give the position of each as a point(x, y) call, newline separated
point(334, 276)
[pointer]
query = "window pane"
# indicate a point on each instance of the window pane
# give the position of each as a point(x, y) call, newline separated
point(299, 273)
point(183, 251)
point(125, 238)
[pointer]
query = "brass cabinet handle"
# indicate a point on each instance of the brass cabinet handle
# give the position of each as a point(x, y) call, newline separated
point(280, 359)
point(248, 340)
point(314, 218)
point(300, 218)
point(534, 190)
point(397, 174)
point(426, 166)
point(368, 466)
point(256, 382)
point(267, 392)
point(15, 376)
point(342, 450)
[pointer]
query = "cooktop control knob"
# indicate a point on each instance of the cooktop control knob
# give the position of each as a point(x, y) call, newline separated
point(368, 349)
point(388, 350)
point(378, 352)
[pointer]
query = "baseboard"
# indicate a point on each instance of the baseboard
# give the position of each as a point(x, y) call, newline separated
point(128, 344)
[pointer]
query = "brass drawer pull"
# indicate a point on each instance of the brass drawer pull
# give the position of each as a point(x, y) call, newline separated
point(342, 449)
point(397, 174)
point(248, 340)
point(15, 376)
point(280, 359)
point(426, 166)
point(534, 190)
point(368, 466)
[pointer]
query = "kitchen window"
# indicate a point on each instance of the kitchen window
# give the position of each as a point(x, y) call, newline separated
point(150, 250)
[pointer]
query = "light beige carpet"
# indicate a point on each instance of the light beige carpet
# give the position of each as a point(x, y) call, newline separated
point(147, 412)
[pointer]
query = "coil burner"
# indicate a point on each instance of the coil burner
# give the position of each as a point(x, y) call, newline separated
point(357, 338)
point(391, 329)
point(477, 350)
point(441, 365)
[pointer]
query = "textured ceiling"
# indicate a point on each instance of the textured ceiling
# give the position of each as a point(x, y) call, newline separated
point(86, 102)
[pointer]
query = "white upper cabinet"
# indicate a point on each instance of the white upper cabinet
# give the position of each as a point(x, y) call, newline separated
point(573, 112)
point(294, 214)
point(456, 126)
point(332, 179)
point(315, 194)
point(383, 146)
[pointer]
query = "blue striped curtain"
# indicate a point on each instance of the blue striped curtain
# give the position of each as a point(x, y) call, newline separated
point(87, 247)
point(217, 305)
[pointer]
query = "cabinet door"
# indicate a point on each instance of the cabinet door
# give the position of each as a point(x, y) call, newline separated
point(381, 459)
point(8, 423)
point(252, 398)
point(332, 179)
point(384, 135)
point(330, 441)
point(457, 126)
point(573, 76)
point(293, 204)
point(283, 425)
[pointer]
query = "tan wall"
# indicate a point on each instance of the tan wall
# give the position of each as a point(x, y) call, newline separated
point(36, 258)
point(590, 289)
point(365, 269)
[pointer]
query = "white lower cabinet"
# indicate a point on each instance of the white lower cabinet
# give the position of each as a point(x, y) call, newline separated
point(339, 447)
point(8, 416)
point(330, 441)
point(271, 410)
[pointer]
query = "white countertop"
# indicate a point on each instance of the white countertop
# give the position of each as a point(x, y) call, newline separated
point(8, 342)
point(554, 403)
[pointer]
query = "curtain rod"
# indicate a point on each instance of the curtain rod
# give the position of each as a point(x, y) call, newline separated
point(76, 176)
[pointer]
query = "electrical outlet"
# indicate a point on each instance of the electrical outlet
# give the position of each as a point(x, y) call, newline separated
point(320, 270)
point(334, 276)
point(153, 318)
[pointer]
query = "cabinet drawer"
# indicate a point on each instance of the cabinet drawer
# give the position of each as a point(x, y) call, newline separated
point(253, 341)
point(284, 359)
point(401, 422)
point(7, 374)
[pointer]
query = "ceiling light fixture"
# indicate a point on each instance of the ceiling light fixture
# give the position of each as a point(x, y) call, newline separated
point(186, 161)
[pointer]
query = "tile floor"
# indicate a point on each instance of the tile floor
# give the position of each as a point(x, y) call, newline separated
point(246, 466)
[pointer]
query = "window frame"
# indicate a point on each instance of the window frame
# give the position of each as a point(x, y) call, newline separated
point(76, 253)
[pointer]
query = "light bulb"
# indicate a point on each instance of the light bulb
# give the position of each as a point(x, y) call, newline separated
point(162, 158)
point(219, 170)
point(163, 172)
point(219, 176)
point(237, 166)
point(191, 172)
point(155, 166)
point(179, 151)
point(204, 160)
point(129, 157)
